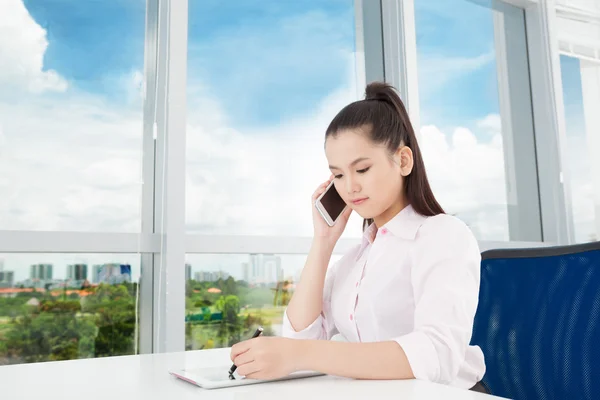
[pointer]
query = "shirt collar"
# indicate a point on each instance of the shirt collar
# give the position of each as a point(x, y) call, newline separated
point(406, 223)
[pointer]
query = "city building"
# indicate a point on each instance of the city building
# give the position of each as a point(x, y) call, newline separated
point(7, 279)
point(246, 271)
point(111, 273)
point(263, 269)
point(188, 272)
point(40, 272)
point(77, 272)
point(40, 276)
point(208, 276)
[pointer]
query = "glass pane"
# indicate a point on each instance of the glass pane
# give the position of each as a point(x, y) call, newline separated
point(581, 96)
point(68, 306)
point(265, 80)
point(229, 295)
point(71, 115)
point(461, 130)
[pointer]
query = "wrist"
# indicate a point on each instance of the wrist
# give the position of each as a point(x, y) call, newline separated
point(301, 354)
point(323, 245)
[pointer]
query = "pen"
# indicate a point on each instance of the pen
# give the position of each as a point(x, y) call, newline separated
point(257, 333)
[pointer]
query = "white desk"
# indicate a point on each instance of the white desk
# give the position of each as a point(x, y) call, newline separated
point(146, 377)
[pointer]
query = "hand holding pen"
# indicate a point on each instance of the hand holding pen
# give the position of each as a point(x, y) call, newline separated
point(256, 334)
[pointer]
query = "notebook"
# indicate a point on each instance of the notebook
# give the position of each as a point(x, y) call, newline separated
point(217, 377)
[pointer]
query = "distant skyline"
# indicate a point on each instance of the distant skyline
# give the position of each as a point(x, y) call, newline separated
point(229, 263)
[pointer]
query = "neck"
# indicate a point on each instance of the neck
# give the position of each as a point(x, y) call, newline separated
point(390, 213)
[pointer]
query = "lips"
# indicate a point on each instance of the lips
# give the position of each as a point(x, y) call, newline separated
point(359, 201)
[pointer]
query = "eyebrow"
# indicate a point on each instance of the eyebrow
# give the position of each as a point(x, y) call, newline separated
point(353, 163)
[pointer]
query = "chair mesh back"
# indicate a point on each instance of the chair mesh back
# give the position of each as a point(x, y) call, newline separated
point(538, 322)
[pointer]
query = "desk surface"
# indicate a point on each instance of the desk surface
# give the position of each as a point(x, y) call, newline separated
point(146, 377)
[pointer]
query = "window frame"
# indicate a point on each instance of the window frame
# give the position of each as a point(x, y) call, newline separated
point(386, 35)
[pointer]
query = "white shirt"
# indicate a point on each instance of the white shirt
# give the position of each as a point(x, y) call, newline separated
point(414, 281)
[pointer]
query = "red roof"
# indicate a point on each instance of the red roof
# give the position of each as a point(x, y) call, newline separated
point(19, 290)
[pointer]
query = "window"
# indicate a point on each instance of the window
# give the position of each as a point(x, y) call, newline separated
point(71, 115)
point(581, 97)
point(68, 306)
point(265, 78)
point(229, 295)
point(476, 127)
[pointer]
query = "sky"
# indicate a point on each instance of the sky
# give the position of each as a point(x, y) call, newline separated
point(265, 77)
point(578, 158)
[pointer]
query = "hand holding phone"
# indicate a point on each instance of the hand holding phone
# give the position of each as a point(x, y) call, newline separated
point(330, 212)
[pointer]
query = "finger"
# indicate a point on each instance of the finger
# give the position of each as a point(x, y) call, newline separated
point(347, 212)
point(316, 195)
point(248, 369)
point(320, 190)
point(326, 183)
point(243, 358)
point(240, 348)
point(322, 187)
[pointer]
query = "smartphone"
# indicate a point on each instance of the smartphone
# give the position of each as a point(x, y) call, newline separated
point(330, 204)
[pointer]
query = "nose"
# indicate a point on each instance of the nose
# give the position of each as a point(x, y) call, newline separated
point(352, 186)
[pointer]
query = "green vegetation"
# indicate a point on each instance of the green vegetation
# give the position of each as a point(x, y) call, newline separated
point(221, 313)
point(101, 321)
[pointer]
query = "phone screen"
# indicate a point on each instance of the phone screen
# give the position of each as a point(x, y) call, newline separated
point(333, 203)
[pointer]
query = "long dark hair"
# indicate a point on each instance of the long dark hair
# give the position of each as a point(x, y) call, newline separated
point(383, 117)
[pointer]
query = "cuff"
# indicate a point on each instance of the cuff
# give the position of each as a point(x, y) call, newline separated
point(422, 356)
point(313, 331)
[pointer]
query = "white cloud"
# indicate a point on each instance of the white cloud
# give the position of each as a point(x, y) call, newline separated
point(436, 70)
point(467, 176)
point(23, 44)
point(75, 163)
point(258, 181)
point(492, 123)
point(70, 165)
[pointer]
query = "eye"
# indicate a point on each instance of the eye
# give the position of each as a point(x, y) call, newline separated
point(362, 171)
point(337, 176)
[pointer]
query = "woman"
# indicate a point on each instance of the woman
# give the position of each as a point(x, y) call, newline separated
point(403, 301)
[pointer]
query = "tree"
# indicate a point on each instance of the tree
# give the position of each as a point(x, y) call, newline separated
point(230, 327)
point(56, 333)
point(114, 310)
point(189, 288)
point(99, 324)
point(12, 306)
point(229, 287)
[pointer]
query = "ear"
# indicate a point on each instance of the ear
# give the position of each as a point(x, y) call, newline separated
point(404, 159)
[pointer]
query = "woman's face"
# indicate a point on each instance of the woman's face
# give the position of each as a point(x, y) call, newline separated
point(366, 176)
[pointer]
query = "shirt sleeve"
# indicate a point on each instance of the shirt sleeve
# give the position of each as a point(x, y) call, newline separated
point(445, 280)
point(323, 327)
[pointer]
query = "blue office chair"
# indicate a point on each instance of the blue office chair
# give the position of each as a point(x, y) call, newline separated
point(538, 322)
